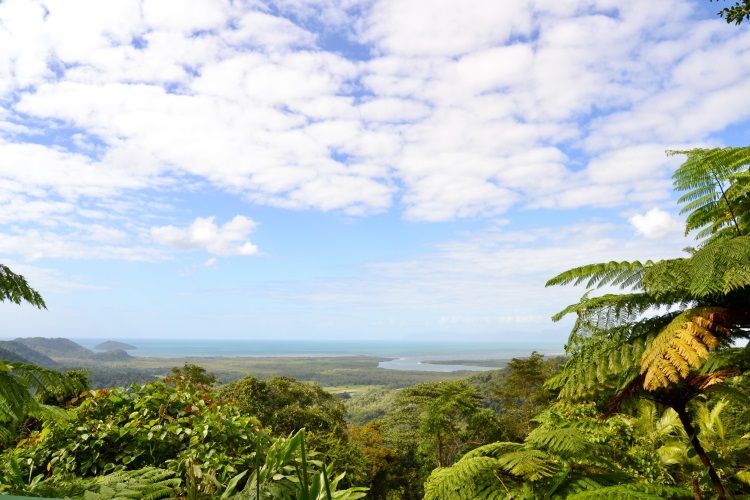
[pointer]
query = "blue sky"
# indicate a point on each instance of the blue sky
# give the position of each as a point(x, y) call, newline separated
point(345, 169)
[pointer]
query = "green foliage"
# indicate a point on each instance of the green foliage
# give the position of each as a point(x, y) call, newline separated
point(287, 405)
point(521, 394)
point(190, 374)
point(20, 384)
point(149, 483)
point(634, 492)
point(571, 451)
point(625, 345)
point(715, 187)
point(472, 477)
point(378, 461)
point(737, 13)
point(288, 472)
point(432, 425)
point(619, 274)
point(14, 288)
point(154, 425)
point(76, 383)
point(146, 483)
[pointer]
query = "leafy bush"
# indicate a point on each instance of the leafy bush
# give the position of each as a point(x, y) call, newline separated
point(287, 405)
point(154, 425)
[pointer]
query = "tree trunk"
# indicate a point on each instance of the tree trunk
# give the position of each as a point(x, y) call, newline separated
point(696, 444)
point(696, 489)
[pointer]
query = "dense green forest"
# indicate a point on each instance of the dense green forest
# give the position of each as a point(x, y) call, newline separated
point(650, 400)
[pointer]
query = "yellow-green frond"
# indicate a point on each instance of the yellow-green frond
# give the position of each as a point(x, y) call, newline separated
point(682, 345)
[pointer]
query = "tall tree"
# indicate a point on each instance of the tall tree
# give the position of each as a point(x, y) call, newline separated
point(672, 335)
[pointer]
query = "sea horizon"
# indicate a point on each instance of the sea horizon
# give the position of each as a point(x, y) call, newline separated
point(400, 355)
point(177, 348)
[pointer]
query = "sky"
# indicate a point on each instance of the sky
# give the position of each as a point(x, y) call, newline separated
point(346, 169)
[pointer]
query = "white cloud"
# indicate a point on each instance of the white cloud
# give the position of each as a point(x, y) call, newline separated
point(656, 224)
point(231, 238)
point(45, 279)
point(32, 245)
point(456, 110)
point(490, 282)
point(444, 27)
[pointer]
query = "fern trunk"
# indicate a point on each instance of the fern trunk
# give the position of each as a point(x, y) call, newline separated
point(687, 423)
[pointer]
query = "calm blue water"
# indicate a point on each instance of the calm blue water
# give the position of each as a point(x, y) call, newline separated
point(407, 355)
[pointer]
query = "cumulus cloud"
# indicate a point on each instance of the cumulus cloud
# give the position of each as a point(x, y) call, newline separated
point(656, 224)
point(467, 111)
point(231, 238)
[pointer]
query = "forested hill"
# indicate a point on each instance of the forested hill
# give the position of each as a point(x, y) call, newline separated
point(14, 350)
point(111, 345)
point(56, 347)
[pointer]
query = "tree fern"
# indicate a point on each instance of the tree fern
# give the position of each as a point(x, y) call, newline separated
point(492, 450)
point(637, 491)
point(14, 288)
point(718, 268)
point(621, 274)
point(682, 346)
point(559, 458)
point(19, 383)
point(148, 484)
point(714, 187)
point(625, 344)
point(472, 477)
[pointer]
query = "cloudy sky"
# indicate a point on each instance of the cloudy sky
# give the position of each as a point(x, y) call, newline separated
point(360, 169)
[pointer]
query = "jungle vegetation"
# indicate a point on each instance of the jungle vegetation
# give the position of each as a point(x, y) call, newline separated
point(650, 400)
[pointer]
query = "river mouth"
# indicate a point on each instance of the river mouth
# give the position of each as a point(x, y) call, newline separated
point(419, 365)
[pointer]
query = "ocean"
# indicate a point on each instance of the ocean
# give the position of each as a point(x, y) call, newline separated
point(408, 355)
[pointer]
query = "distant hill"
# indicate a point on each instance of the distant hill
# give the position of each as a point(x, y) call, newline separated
point(111, 345)
point(56, 347)
point(6, 355)
point(112, 355)
point(13, 350)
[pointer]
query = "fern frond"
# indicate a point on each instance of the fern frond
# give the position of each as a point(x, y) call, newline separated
point(609, 359)
point(564, 442)
point(622, 274)
point(149, 483)
point(719, 267)
point(472, 477)
point(634, 492)
point(19, 383)
point(715, 187)
point(493, 450)
point(682, 345)
point(528, 464)
point(607, 311)
point(14, 288)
